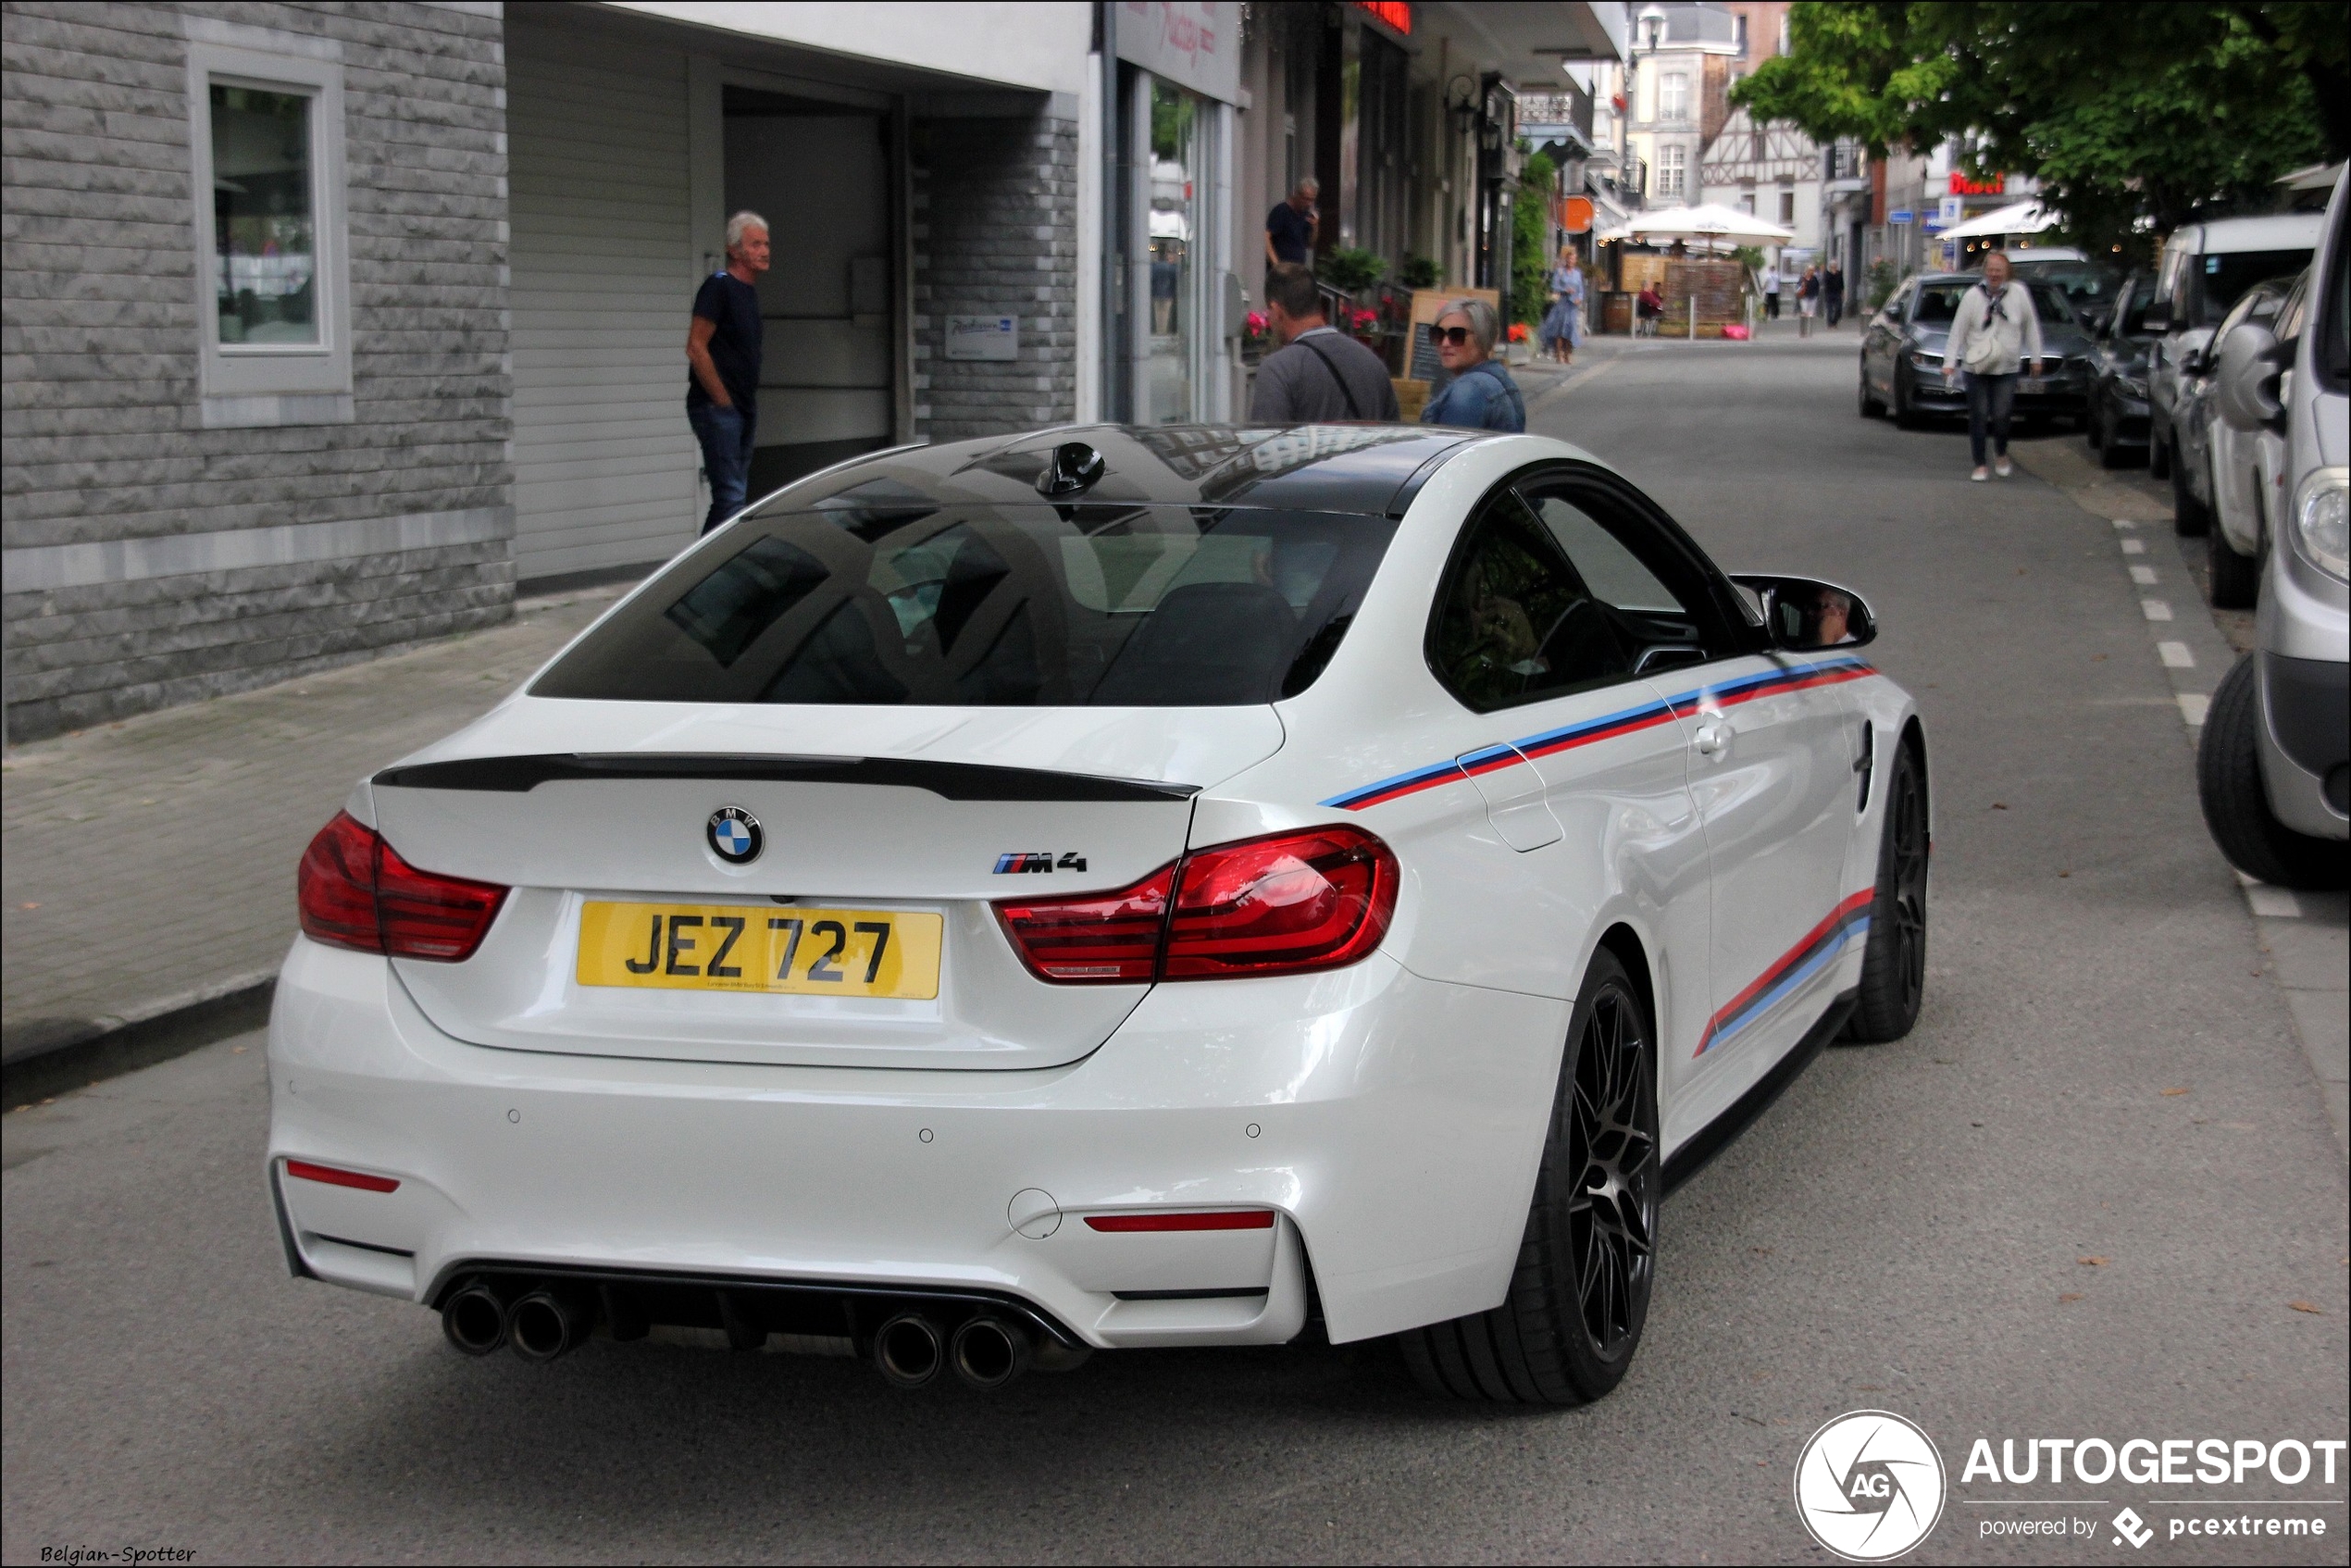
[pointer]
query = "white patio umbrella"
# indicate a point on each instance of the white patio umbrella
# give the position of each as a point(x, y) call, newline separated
point(2018, 218)
point(1711, 222)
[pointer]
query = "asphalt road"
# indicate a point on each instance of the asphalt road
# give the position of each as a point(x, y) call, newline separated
point(2008, 1226)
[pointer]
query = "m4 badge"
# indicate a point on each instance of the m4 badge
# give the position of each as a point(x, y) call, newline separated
point(1038, 860)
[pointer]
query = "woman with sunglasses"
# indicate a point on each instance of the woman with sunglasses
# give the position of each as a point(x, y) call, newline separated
point(1480, 395)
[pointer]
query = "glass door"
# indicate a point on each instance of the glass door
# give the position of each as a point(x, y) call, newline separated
point(1172, 323)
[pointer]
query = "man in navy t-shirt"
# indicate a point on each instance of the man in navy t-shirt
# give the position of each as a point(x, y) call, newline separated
point(1289, 227)
point(722, 346)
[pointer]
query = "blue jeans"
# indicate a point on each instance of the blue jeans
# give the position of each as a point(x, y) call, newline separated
point(1989, 399)
point(725, 435)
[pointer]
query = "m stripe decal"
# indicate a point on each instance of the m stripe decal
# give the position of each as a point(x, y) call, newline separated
point(1827, 672)
point(1846, 924)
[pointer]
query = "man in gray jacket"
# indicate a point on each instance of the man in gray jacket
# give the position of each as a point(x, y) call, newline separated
point(1318, 374)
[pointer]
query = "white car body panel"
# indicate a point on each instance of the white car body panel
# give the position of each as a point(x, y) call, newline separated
point(1391, 1112)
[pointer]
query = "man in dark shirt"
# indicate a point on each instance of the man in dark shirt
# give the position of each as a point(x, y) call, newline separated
point(1289, 227)
point(1318, 374)
point(722, 347)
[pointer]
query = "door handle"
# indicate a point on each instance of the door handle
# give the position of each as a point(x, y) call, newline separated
point(1711, 737)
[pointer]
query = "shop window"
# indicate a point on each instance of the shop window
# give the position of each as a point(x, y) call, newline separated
point(265, 147)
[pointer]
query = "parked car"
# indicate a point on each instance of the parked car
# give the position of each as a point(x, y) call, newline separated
point(2117, 419)
point(2193, 414)
point(1902, 354)
point(997, 901)
point(2246, 472)
point(2274, 761)
point(2205, 268)
point(2090, 285)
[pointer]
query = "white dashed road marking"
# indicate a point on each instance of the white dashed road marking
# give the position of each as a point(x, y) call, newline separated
point(2156, 609)
point(2143, 576)
point(2134, 547)
point(2192, 708)
point(2176, 655)
point(2278, 903)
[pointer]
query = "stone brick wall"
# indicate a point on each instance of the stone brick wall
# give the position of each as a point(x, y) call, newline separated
point(151, 560)
point(995, 233)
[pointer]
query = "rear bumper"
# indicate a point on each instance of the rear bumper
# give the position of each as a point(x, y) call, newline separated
point(1392, 1123)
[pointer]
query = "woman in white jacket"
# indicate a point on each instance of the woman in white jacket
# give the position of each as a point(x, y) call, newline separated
point(1995, 332)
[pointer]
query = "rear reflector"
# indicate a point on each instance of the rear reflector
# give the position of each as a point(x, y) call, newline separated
point(334, 1177)
point(1214, 1219)
point(354, 891)
point(1284, 905)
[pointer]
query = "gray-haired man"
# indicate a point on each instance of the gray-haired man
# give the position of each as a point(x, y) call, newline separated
point(1289, 227)
point(722, 347)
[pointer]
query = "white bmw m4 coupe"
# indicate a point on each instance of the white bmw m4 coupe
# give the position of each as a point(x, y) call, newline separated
point(1109, 888)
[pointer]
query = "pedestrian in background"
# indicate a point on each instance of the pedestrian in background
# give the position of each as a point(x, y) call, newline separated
point(1808, 301)
point(722, 349)
point(1993, 333)
point(1772, 292)
point(1289, 227)
point(1563, 323)
point(1318, 374)
point(1832, 294)
point(1481, 396)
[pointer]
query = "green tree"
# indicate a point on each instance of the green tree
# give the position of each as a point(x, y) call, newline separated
point(1530, 228)
point(2120, 111)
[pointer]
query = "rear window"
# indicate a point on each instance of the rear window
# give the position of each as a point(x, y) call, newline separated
point(2221, 280)
point(886, 596)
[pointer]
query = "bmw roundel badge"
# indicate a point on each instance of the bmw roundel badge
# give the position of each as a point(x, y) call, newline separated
point(734, 835)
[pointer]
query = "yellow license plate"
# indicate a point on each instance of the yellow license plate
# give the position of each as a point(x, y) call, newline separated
point(791, 951)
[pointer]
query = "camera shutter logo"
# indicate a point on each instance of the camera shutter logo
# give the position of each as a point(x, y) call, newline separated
point(1869, 1485)
point(734, 835)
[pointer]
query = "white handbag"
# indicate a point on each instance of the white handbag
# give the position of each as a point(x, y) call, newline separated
point(1982, 348)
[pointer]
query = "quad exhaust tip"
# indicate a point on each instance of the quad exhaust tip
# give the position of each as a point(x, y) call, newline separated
point(547, 1324)
point(475, 1320)
point(908, 1350)
point(989, 1352)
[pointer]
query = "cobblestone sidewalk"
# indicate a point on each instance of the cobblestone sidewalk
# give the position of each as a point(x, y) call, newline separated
point(150, 864)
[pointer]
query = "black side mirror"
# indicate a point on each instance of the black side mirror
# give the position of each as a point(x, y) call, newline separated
point(2157, 317)
point(1803, 615)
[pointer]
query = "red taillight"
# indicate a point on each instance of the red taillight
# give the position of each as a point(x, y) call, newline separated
point(356, 891)
point(1282, 904)
point(1100, 936)
point(333, 1176)
point(1211, 1219)
point(1278, 906)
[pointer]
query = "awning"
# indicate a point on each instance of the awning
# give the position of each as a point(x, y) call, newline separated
point(1708, 222)
point(2018, 218)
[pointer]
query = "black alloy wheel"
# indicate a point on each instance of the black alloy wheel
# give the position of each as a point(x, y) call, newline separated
point(1579, 1296)
point(1894, 962)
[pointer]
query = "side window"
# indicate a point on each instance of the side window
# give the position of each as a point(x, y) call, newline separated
point(1553, 592)
point(2289, 324)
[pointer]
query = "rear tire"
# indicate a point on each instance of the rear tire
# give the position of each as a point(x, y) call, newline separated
point(2159, 454)
point(2237, 808)
point(2190, 517)
point(2236, 579)
point(1905, 416)
point(1871, 407)
point(2112, 453)
point(2093, 431)
point(1894, 962)
point(1567, 1331)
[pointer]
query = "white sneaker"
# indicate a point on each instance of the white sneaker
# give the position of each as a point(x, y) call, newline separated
point(2003, 467)
point(1981, 475)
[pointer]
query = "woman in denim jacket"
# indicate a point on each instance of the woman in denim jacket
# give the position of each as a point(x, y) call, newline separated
point(1480, 395)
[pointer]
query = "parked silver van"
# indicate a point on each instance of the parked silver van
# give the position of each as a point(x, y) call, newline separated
point(2274, 763)
point(2205, 268)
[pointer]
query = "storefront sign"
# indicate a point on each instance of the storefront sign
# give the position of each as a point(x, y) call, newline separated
point(1194, 43)
point(983, 337)
point(1397, 14)
point(1990, 185)
point(1575, 214)
point(1903, 217)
